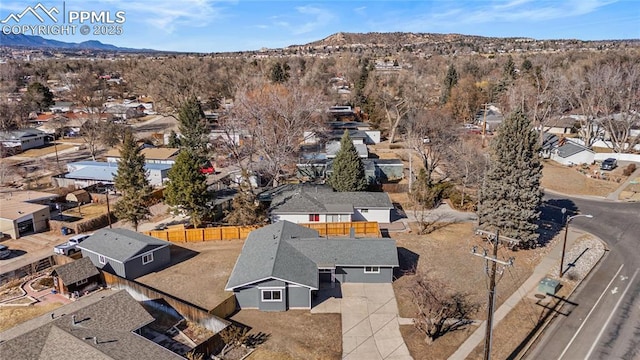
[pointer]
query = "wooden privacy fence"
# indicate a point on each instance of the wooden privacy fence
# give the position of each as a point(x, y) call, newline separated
point(361, 228)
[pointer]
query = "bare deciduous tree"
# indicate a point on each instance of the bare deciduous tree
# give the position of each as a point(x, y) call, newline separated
point(278, 116)
point(440, 308)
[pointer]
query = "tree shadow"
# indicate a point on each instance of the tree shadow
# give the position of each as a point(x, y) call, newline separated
point(408, 263)
point(397, 212)
point(552, 218)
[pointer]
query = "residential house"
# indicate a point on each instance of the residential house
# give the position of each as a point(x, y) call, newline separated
point(106, 325)
point(61, 106)
point(76, 277)
point(126, 253)
point(19, 218)
point(151, 155)
point(319, 203)
point(82, 174)
point(565, 151)
point(563, 125)
point(282, 265)
point(23, 139)
point(379, 171)
point(491, 116)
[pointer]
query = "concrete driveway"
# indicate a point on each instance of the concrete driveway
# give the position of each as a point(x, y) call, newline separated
point(370, 328)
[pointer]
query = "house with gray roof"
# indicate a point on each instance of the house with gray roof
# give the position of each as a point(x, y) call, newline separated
point(282, 265)
point(79, 275)
point(319, 203)
point(106, 325)
point(23, 139)
point(126, 253)
point(564, 151)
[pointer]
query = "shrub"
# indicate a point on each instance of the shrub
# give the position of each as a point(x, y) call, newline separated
point(455, 197)
point(629, 170)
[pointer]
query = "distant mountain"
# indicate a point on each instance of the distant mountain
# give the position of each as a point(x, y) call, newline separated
point(390, 38)
point(30, 41)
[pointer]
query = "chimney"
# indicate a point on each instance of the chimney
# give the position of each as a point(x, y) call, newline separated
point(95, 340)
point(73, 320)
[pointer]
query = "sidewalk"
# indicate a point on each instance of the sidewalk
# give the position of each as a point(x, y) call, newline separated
point(547, 266)
point(616, 194)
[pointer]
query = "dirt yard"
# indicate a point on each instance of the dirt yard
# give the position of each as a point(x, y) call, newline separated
point(200, 272)
point(569, 180)
point(45, 150)
point(446, 253)
point(294, 334)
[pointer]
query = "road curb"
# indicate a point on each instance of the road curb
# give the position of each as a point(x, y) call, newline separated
point(525, 352)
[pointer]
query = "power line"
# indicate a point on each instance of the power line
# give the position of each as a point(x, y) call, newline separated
point(491, 273)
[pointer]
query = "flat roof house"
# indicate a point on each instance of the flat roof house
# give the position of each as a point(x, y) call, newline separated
point(282, 265)
point(19, 218)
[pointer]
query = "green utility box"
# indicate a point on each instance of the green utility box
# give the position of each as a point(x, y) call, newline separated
point(548, 286)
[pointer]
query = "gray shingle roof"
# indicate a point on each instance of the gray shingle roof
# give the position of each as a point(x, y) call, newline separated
point(570, 148)
point(293, 253)
point(75, 271)
point(307, 201)
point(111, 320)
point(121, 244)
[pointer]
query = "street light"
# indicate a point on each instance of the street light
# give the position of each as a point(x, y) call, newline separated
point(564, 243)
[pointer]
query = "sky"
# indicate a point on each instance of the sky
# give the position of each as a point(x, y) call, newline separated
point(239, 25)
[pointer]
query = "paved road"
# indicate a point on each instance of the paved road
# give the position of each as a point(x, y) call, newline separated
point(605, 324)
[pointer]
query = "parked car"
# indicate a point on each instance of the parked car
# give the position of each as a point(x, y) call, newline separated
point(207, 168)
point(609, 164)
point(71, 246)
point(5, 252)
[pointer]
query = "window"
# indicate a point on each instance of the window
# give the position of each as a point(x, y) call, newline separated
point(147, 258)
point(314, 217)
point(82, 282)
point(102, 259)
point(272, 295)
point(371, 269)
point(364, 211)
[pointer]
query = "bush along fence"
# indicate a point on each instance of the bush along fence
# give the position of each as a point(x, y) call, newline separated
point(360, 228)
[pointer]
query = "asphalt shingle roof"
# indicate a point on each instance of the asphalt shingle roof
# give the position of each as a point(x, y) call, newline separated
point(293, 253)
point(76, 270)
point(307, 201)
point(112, 320)
point(120, 244)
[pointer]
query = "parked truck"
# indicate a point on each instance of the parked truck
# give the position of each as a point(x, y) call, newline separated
point(71, 246)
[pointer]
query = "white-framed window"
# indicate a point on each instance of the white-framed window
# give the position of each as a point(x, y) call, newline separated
point(102, 260)
point(371, 269)
point(272, 295)
point(82, 282)
point(147, 258)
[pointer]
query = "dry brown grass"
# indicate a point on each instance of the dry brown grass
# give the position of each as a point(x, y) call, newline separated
point(568, 180)
point(446, 254)
point(50, 149)
point(441, 349)
point(87, 211)
point(201, 278)
point(12, 316)
point(294, 334)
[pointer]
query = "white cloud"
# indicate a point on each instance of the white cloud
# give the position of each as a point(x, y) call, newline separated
point(170, 15)
point(360, 10)
point(320, 18)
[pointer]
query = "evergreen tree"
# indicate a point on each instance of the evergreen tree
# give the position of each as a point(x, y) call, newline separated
point(246, 209)
point(38, 97)
point(450, 81)
point(348, 169)
point(132, 182)
point(193, 127)
point(174, 140)
point(510, 195)
point(279, 73)
point(187, 193)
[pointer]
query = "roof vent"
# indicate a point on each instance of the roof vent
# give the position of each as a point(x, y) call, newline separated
point(73, 320)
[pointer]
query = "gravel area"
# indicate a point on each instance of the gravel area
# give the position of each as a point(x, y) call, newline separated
point(582, 257)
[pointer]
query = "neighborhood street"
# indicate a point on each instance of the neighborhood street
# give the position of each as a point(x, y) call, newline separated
point(605, 322)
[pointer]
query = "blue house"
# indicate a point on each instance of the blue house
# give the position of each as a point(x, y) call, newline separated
point(282, 265)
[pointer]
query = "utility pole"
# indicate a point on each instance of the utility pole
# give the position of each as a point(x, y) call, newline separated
point(484, 124)
point(491, 273)
point(108, 209)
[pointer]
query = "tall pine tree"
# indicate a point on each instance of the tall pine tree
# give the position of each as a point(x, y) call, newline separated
point(510, 195)
point(348, 169)
point(187, 193)
point(193, 127)
point(132, 182)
